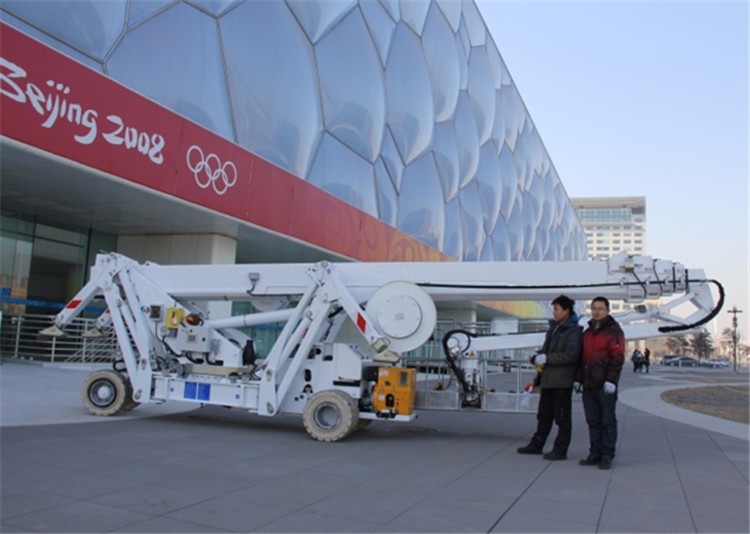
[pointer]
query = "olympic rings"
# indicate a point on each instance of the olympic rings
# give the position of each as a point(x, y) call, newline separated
point(209, 171)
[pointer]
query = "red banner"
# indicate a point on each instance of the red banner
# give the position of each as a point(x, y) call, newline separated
point(52, 102)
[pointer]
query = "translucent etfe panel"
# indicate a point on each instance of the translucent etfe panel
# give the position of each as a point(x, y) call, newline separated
point(89, 26)
point(442, 63)
point(142, 9)
point(387, 197)
point(481, 92)
point(392, 7)
point(487, 253)
point(471, 222)
point(529, 212)
point(501, 242)
point(316, 18)
point(536, 191)
point(421, 210)
point(467, 140)
point(512, 111)
point(409, 95)
point(351, 81)
point(392, 160)
point(498, 125)
point(474, 24)
point(496, 64)
point(451, 11)
point(414, 14)
point(524, 173)
point(275, 97)
point(446, 158)
point(346, 175)
point(381, 27)
point(214, 7)
point(463, 64)
point(489, 185)
point(453, 243)
point(508, 180)
point(50, 41)
point(515, 230)
point(192, 88)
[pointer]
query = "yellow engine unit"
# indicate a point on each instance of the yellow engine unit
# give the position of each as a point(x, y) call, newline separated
point(395, 391)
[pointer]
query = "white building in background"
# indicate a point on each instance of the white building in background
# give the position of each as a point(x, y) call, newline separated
point(612, 225)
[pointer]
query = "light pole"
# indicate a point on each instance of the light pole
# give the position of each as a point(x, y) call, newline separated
point(734, 311)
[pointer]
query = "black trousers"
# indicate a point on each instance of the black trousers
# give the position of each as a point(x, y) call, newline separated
point(601, 417)
point(555, 406)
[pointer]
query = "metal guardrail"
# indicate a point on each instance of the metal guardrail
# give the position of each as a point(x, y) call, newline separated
point(20, 339)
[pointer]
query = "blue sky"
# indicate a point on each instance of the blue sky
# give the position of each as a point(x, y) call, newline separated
point(645, 98)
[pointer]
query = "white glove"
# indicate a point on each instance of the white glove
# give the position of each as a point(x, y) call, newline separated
point(577, 387)
point(540, 359)
point(609, 388)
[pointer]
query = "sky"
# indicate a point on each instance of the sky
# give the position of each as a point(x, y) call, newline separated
point(645, 98)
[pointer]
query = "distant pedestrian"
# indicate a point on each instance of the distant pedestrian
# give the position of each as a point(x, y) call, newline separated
point(646, 359)
point(601, 365)
point(637, 359)
point(559, 358)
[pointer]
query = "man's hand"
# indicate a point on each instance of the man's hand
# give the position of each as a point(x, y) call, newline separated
point(539, 359)
point(609, 388)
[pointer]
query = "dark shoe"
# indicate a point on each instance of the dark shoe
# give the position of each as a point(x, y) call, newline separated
point(531, 448)
point(605, 462)
point(591, 459)
point(555, 455)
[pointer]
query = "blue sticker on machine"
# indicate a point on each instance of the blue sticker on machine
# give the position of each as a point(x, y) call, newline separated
point(191, 388)
point(204, 392)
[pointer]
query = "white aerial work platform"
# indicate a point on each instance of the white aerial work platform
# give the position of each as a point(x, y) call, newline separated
point(338, 359)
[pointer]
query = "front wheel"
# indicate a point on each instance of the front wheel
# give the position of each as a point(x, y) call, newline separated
point(104, 392)
point(330, 415)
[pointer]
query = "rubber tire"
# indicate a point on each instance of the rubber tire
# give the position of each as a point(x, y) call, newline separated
point(330, 415)
point(104, 392)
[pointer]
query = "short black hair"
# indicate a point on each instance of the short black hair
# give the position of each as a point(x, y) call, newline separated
point(565, 302)
point(605, 300)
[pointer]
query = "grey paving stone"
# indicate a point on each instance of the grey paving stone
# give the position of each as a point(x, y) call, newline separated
point(229, 514)
point(518, 523)
point(165, 524)
point(429, 518)
point(621, 516)
point(153, 499)
point(16, 502)
point(310, 522)
point(376, 510)
point(77, 517)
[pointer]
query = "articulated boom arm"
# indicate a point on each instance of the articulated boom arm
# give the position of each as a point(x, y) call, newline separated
point(344, 324)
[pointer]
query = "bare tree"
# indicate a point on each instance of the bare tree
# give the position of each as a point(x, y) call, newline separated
point(677, 345)
point(702, 344)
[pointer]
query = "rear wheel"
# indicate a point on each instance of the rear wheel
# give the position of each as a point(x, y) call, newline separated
point(105, 392)
point(330, 415)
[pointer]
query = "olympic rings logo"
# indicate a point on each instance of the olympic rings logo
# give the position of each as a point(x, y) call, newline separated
point(209, 171)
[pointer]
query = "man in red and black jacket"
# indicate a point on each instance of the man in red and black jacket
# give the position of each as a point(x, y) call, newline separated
point(602, 359)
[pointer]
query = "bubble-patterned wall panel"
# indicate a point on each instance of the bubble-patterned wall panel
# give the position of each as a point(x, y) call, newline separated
point(403, 109)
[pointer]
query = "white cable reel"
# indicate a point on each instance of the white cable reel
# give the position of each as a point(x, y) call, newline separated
point(404, 313)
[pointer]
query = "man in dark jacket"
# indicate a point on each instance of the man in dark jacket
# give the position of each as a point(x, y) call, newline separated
point(559, 358)
point(599, 374)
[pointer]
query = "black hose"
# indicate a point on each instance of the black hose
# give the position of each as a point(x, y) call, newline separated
point(707, 318)
point(465, 387)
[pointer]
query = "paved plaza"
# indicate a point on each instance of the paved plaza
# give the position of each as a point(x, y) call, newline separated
point(178, 468)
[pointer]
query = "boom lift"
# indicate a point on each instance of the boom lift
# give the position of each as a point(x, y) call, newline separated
point(346, 328)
